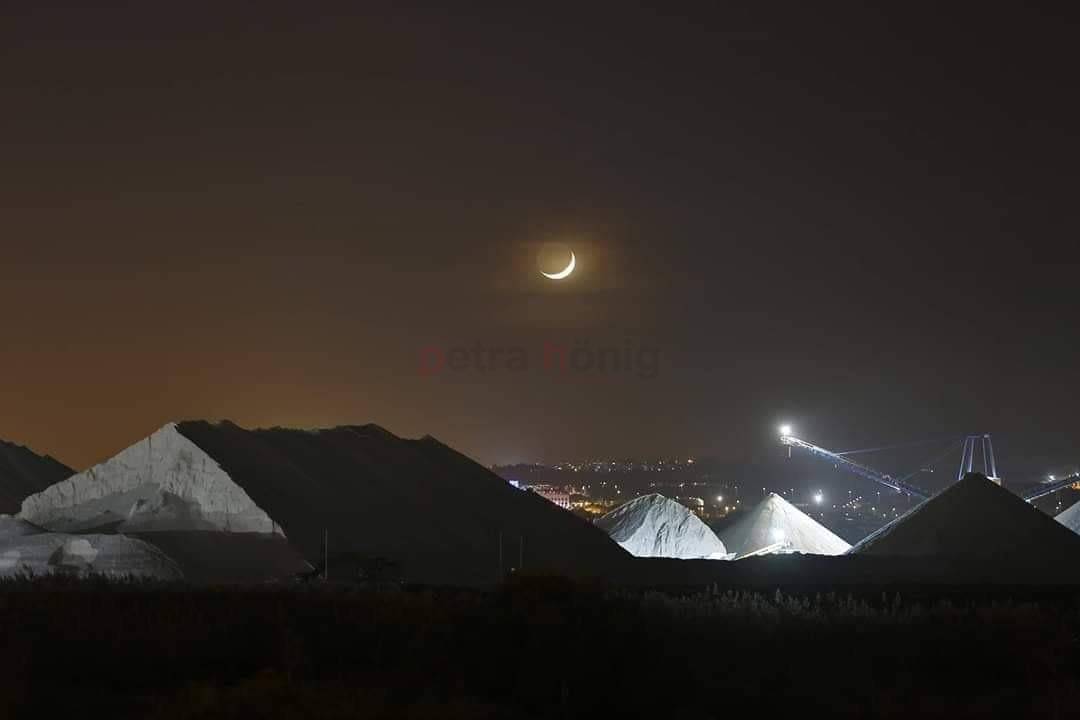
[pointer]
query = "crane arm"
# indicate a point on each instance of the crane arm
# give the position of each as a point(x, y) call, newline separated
point(1051, 487)
point(853, 467)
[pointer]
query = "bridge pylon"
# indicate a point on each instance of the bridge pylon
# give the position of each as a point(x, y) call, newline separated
point(973, 444)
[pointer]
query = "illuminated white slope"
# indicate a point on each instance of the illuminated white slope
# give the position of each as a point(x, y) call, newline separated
point(1070, 517)
point(655, 526)
point(778, 526)
point(162, 483)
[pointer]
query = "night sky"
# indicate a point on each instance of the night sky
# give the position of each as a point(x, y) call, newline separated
point(863, 223)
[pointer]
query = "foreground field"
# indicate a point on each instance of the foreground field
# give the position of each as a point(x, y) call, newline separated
point(535, 648)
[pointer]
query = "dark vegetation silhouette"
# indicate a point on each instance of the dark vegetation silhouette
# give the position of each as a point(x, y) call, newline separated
point(536, 647)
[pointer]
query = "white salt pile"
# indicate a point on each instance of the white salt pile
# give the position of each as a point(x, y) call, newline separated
point(655, 526)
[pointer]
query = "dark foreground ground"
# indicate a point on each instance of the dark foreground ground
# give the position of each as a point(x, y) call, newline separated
point(535, 648)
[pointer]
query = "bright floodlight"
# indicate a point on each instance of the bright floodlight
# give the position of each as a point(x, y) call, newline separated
point(785, 430)
point(1052, 478)
point(818, 498)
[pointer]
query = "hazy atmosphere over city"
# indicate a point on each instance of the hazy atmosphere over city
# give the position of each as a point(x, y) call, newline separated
point(858, 220)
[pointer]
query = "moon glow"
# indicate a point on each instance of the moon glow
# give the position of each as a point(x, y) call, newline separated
point(565, 272)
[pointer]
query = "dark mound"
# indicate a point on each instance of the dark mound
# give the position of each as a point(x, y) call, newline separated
point(417, 503)
point(228, 558)
point(23, 472)
point(989, 528)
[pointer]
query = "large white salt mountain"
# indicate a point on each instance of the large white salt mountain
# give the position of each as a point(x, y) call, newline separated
point(162, 483)
point(776, 526)
point(26, 550)
point(168, 491)
point(1070, 517)
point(656, 526)
point(235, 505)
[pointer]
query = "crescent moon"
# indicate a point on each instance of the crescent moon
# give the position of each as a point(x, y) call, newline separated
point(565, 272)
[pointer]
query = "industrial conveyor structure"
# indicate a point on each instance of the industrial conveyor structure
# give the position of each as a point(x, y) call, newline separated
point(973, 449)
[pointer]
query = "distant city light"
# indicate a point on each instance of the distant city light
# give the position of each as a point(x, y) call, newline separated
point(719, 498)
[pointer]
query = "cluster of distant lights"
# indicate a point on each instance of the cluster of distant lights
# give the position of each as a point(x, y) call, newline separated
point(607, 466)
point(660, 465)
point(681, 485)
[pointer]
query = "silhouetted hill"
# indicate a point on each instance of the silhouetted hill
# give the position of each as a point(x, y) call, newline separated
point(23, 472)
point(986, 527)
point(416, 502)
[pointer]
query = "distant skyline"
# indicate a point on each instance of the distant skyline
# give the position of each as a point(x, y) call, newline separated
point(861, 222)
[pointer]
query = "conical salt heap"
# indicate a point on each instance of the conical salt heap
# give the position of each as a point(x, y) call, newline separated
point(656, 526)
point(777, 526)
point(992, 531)
point(1070, 517)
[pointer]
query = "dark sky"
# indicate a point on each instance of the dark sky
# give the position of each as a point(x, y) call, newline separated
point(863, 222)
